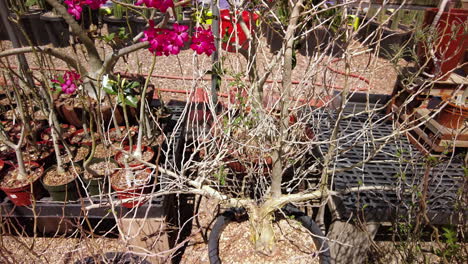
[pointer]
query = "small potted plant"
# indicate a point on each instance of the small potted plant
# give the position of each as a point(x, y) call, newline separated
point(131, 184)
point(20, 181)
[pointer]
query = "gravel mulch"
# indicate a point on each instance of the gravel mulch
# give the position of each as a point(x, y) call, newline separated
point(294, 244)
point(54, 250)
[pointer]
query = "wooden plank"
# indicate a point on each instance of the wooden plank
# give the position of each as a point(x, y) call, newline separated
point(455, 79)
point(433, 143)
point(416, 143)
point(438, 129)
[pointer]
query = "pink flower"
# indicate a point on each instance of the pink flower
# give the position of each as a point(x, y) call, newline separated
point(68, 87)
point(203, 41)
point(95, 4)
point(69, 82)
point(180, 34)
point(164, 41)
point(74, 8)
point(162, 5)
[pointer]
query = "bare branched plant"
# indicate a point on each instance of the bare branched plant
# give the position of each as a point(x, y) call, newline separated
point(278, 124)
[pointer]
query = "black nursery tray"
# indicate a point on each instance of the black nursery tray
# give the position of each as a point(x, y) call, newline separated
point(397, 167)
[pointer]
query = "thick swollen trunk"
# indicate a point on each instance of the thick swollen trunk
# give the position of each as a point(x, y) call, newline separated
point(261, 229)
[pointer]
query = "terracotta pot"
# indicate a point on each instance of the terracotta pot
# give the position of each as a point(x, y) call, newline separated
point(451, 43)
point(452, 115)
point(46, 135)
point(241, 166)
point(120, 156)
point(74, 139)
point(133, 131)
point(72, 114)
point(23, 195)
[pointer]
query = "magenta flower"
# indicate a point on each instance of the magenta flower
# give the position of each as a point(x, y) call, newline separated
point(203, 41)
point(74, 8)
point(180, 34)
point(69, 82)
point(162, 5)
point(164, 41)
point(95, 4)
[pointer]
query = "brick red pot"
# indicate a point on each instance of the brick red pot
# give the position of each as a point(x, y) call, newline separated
point(47, 136)
point(452, 115)
point(451, 43)
point(22, 195)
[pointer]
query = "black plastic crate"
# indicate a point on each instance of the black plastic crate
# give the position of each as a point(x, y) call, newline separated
point(397, 165)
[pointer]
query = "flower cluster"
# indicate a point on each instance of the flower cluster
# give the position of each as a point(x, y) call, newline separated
point(162, 5)
point(203, 41)
point(69, 82)
point(165, 41)
point(75, 7)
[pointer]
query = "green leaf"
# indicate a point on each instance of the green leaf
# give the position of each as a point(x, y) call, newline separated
point(107, 85)
point(134, 85)
point(131, 100)
point(31, 3)
point(109, 90)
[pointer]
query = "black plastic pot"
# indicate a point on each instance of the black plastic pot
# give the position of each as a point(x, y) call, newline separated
point(57, 29)
point(390, 40)
point(3, 32)
point(113, 257)
point(114, 24)
point(89, 17)
point(62, 193)
point(238, 214)
point(274, 37)
point(96, 186)
point(319, 40)
point(34, 29)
